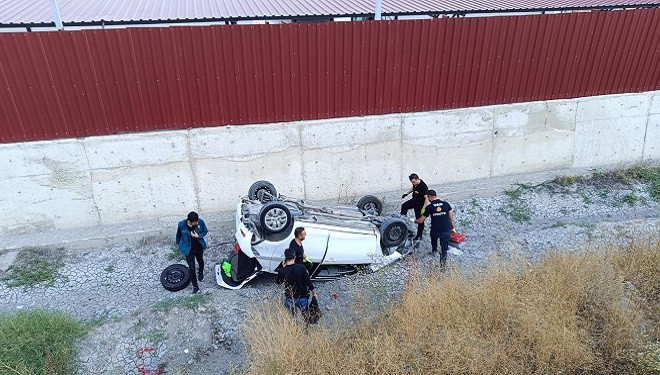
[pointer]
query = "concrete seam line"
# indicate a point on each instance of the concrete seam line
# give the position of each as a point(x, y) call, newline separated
point(646, 127)
point(492, 144)
point(575, 130)
point(91, 182)
point(193, 170)
point(303, 170)
point(401, 173)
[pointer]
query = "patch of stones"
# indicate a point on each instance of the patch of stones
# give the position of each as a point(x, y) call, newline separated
point(119, 288)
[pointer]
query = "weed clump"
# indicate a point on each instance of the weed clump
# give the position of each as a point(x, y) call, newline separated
point(35, 266)
point(38, 342)
point(571, 313)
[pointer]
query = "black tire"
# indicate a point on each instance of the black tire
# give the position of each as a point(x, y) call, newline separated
point(257, 190)
point(370, 203)
point(393, 232)
point(175, 277)
point(275, 218)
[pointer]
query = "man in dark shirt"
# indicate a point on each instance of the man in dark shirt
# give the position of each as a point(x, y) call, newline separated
point(296, 244)
point(442, 223)
point(190, 235)
point(297, 283)
point(418, 191)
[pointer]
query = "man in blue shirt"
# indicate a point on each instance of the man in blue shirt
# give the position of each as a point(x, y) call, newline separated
point(190, 235)
point(442, 223)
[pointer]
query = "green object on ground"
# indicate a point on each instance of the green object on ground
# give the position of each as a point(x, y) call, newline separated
point(226, 267)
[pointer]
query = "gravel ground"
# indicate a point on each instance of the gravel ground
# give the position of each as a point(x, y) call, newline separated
point(144, 329)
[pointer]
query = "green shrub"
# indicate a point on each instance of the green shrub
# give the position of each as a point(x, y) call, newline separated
point(38, 342)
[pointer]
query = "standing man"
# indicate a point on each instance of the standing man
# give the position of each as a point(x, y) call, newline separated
point(418, 191)
point(296, 244)
point(190, 240)
point(442, 223)
point(297, 283)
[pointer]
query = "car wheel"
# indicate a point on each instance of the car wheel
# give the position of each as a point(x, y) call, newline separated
point(262, 191)
point(393, 231)
point(275, 218)
point(175, 277)
point(370, 204)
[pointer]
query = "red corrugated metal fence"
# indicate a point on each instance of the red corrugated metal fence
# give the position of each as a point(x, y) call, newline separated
point(83, 83)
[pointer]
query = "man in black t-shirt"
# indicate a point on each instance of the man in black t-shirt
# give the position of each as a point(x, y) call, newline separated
point(442, 223)
point(296, 244)
point(418, 191)
point(297, 283)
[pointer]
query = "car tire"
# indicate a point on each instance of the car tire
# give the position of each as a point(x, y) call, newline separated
point(370, 203)
point(275, 218)
point(393, 231)
point(175, 277)
point(257, 190)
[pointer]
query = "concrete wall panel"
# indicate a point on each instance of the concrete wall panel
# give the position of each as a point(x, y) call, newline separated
point(63, 159)
point(244, 140)
point(535, 152)
point(350, 132)
point(440, 165)
point(608, 142)
point(223, 181)
point(612, 107)
point(347, 172)
point(131, 194)
point(44, 205)
point(652, 141)
point(531, 137)
point(449, 129)
point(163, 175)
point(131, 150)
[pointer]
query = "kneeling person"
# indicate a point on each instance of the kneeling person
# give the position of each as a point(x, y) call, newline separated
point(297, 283)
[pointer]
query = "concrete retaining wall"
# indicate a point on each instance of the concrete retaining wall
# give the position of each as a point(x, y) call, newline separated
point(115, 179)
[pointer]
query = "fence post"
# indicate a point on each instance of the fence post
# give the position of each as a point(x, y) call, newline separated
point(378, 10)
point(56, 14)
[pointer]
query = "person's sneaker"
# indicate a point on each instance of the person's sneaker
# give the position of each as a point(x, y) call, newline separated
point(195, 290)
point(200, 276)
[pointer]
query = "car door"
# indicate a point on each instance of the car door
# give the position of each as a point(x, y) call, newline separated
point(346, 246)
point(316, 242)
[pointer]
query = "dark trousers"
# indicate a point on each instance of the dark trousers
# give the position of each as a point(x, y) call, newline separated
point(190, 258)
point(444, 244)
point(410, 204)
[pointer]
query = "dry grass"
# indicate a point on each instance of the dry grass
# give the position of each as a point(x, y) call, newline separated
point(570, 314)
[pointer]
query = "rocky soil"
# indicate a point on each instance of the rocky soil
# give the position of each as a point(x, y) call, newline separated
point(143, 329)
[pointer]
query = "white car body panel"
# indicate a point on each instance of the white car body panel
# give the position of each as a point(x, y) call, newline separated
point(336, 236)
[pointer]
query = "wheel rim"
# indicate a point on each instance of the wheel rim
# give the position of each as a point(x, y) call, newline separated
point(276, 219)
point(370, 206)
point(175, 276)
point(261, 192)
point(395, 233)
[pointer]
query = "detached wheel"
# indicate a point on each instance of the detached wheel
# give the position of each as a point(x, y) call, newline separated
point(260, 190)
point(393, 232)
point(275, 218)
point(175, 277)
point(370, 204)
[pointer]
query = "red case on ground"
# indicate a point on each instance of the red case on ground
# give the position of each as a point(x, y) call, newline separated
point(457, 238)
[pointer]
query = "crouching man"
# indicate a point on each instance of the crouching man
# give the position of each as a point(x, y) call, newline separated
point(297, 283)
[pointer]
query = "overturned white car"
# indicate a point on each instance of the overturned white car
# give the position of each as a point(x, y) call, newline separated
point(339, 238)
